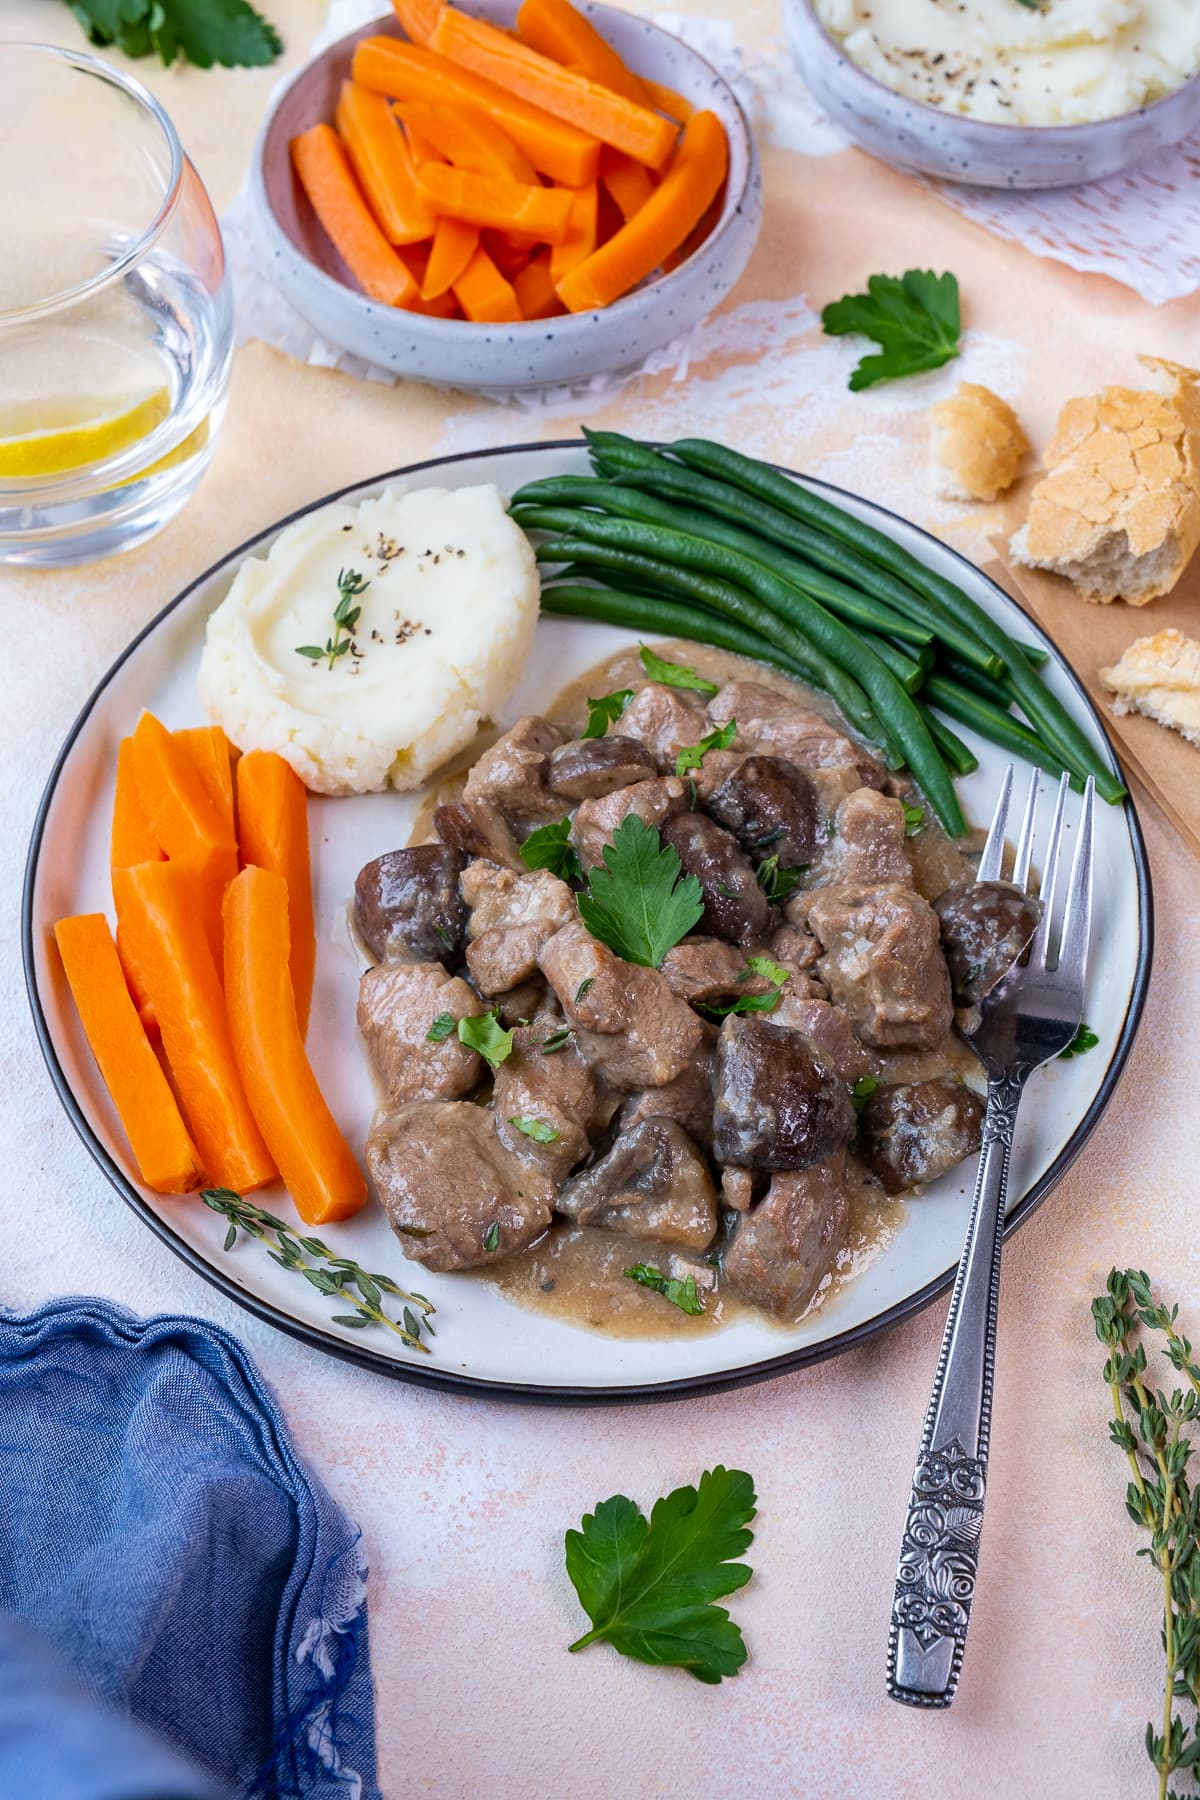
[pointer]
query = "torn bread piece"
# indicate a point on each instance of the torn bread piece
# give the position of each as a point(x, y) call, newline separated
point(978, 444)
point(1160, 676)
point(1118, 512)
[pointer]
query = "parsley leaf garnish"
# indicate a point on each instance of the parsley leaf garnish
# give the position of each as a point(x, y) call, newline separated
point(915, 320)
point(441, 1028)
point(1085, 1039)
point(673, 674)
point(484, 1032)
point(550, 847)
point(751, 1003)
point(914, 820)
point(692, 755)
point(205, 31)
point(770, 971)
point(639, 903)
point(648, 1588)
point(680, 1293)
point(862, 1090)
point(606, 711)
point(775, 882)
point(491, 1237)
point(536, 1129)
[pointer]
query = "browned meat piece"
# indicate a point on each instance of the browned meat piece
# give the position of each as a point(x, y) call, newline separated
point(985, 927)
point(522, 1002)
point(478, 830)
point(587, 768)
point(511, 918)
point(827, 1029)
point(735, 906)
point(653, 1183)
point(718, 766)
point(771, 807)
point(796, 946)
point(883, 964)
point(784, 1247)
point(397, 1004)
point(629, 1024)
point(666, 721)
point(557, 1091)
point(737, 1187)
point(776, 1104)
point(912, 1134)
point(777, 724)
point(513, 774)
point(454, 1196)
point(687, 1100)
point(407, 904)
point(597, 820)
point(867, 842)
point(704, 968)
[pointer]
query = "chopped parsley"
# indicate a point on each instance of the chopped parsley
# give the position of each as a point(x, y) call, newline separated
point(1085, 1039)
point(692, 755)
point(673, 674)
point(682, 1294)
point(606, 711)
point(550, 847)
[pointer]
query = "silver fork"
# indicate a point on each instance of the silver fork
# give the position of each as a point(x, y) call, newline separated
point(1029, 1016)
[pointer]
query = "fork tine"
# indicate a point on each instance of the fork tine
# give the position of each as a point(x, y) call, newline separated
point(992, 860)
point(1077, 919)
point(1038, 943)
point(1024, 850)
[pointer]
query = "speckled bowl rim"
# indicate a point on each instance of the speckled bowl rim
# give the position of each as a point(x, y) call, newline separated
point(1066, 135)
point(459, 330)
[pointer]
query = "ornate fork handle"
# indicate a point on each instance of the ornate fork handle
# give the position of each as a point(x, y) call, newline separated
point(939, 1555)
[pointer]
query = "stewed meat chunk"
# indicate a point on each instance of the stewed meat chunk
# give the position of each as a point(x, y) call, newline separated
point(912, 1133)
point(407, 904)
point(513, 774)
point(718, 766)
point(774, 723)
point(776, 1103)
point(688, 1100)
point(596, 820)
point(512, 916)
point(478, 829)
point(628, 1023)
point(827, 1029)
point(883, 964)
point(985, 927)
point(771, 807)
point(784, 1247)
point(665, 720)
point(454, 1196)
point(735, 905)
point(397, 1005)
point(537, 1094)
point(702, 969)
point(867, 842)
point(654, 1183)
point(587, 768)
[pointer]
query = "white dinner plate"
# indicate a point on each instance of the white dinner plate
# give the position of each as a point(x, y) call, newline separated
point(487, 1343)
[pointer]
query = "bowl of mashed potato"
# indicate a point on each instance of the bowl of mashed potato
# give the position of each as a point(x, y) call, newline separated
point(1004, 93)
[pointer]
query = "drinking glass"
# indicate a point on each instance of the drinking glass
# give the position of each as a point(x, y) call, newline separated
point(116, 325)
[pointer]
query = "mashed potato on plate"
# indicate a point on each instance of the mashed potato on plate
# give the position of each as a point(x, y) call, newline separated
point(446, 623)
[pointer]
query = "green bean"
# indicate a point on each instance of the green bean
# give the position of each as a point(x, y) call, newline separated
point(904, 729)
point(908, 672)
point(990, 721)
point(997, 689)
point(667, 618)
point(1065, 739)
point(958, 756)
point(632, 503)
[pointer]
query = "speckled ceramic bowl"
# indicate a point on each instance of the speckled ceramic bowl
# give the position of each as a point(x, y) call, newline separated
point(925, 140)
point(454, 352)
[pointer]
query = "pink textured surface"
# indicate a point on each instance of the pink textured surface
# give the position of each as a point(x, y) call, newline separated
point(463, 1504)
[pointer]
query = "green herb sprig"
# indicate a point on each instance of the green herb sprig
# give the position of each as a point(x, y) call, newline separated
point(777, 883)
point(1085, 1039)
point(605, 711)
point(345, 617)
point(337, 1279)
point(683, 1294)
point(692, 755)
point(550, 847)
point(230, 32)
point(639, 902)
point(914, 319)
point(673, 674)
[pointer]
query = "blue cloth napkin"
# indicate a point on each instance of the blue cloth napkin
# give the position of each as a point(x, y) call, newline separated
point(159, 1532)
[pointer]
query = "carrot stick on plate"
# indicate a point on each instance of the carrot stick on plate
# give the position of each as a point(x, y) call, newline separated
point(273, 820)
point(626, 180)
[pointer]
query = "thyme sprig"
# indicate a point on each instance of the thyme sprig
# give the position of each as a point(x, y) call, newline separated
point(1155, 1430)
point(345, 618)
point(337, 1280)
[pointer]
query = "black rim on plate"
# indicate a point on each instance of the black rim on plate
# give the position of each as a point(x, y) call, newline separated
point(447, 1379)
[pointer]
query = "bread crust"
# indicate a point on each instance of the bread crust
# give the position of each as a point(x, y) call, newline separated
point(1160, 676)
point(978, 443)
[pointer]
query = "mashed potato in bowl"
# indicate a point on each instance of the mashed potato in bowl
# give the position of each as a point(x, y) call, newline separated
point(445, 624)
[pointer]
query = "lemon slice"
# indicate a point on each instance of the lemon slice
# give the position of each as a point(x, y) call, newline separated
point(55, 436)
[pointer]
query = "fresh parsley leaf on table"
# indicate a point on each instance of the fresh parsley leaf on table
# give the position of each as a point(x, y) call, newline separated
point(549, 847)
point(673, 674)
point(606, 711)
point(637, 902)
point(648, 1588)
point(915, 321)
point(230, 32)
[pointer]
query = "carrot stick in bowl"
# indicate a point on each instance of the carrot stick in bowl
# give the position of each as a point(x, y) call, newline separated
point(418, 17)
point(508, 205)
point(324, 173)
point(483, 293)
point(380, 159)
point(559, 31)
point(467, 138)
point(454, 244)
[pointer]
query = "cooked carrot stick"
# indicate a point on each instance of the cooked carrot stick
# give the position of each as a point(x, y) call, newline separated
point(314, 1158)
point(580, 240)
point(133, 838)
point(626, 180)
point(212, 756)
point(666, 100)
point(418, 17)
point(495, 56)
point(468, 139)
point(273, 816)
point(672, 210)
point(454, 244)
point(483, 293)
point(508, 205)
point(380, 159)
point(557, 30)
point(408, 72)
point(698, 233)
point(156, 907)
point(509, 250)
point(535, 290)
point(185, 822)
point(163, 1151)
point(325, 175)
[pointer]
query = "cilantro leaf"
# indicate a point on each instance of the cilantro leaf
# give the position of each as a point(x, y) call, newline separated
point(441, 1028)
point(915, 320)
point(484, 1032)
point(680, 1293)
point(606, 711)
point(673, 674)
point(230, 32)
point(1085, 1039)
point(775, 882)
point(648, 1588)
point(692, 755)
point(537, 1129)
point(639, 903)
point(550, 847)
